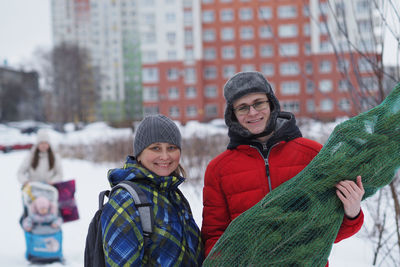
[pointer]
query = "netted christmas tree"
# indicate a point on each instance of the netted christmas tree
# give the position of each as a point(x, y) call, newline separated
point(297, 223)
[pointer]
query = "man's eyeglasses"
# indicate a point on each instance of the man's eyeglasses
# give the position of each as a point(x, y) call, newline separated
point(245, 109)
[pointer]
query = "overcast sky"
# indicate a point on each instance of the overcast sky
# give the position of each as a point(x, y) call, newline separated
point(25, 25)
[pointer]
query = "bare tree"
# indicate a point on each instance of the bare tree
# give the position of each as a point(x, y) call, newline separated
point(71, 84)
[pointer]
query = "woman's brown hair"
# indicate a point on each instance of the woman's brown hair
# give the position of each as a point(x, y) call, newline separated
point(35, 159)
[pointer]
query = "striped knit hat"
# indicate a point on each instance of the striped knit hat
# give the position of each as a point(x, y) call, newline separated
point(153, 129)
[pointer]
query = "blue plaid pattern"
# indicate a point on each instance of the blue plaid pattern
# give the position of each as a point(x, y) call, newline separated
point(175, 240)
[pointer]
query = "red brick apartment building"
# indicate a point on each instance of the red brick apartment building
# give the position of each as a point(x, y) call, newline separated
point(287, 40)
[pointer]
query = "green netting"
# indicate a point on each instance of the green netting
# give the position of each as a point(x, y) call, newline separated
point(297, 223)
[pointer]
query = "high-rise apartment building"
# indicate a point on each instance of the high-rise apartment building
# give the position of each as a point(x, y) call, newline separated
point(174, 56)
point(108, 29)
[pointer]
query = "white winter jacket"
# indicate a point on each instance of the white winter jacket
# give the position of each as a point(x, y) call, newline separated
point(42, 173)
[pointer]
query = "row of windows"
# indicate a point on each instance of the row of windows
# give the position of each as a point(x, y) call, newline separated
point(325, 105)
point(249, 14)
point(290, 68)
point(286, 88)
point(211, 110)
point(190, 111)
point(248, 32)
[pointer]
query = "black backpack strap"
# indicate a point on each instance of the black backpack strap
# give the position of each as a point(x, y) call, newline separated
point(101, 197)
point(142, 203)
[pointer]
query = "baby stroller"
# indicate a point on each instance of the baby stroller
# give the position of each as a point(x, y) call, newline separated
point(43, 236)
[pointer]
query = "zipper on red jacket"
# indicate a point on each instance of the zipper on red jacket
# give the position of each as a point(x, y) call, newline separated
point(264, 146)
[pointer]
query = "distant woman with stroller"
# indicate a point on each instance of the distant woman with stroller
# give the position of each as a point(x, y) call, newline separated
point(42, 164)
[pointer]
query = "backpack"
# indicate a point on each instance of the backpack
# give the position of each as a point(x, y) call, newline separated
point(94, 254)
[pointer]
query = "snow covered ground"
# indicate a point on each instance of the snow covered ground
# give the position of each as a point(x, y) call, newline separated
point(90, 180)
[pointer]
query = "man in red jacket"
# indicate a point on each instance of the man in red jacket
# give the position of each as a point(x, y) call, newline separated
point(266, 149)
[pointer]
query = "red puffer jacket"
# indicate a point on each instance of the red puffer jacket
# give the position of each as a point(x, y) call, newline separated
point(237, 179)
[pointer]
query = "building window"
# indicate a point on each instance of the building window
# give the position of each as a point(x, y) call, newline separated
point(246, 33)
point(287, 30)
point(150, 75)
point(370, 83)
point(209, 35)
point(343, 65)
point(171, 55)
point(344, 86)
point(325, 86)
point(210, 91)
point(364, 25)
point(190, 75)
point(266, 51)
point(306, 10)
point(209, 53)
point(211, 111)
point(170, 18)
point(226, 15)
point(291, 106)
point(187, 17)
point(210, 73)
point(245, 14)
point(190, 92)
point(290, 88)
point(365, 65)
point(268, 69)
point(227, 34)
point(149, 57)
point(344, 104)
point(191, 111)
point(265, 32)
point(228, 71)
point(307, 49)
point(149, 18)
point(189, 54)
point(173, 93)
point(326, 105)
point(289, 50)
point(149, 37)
point(188, 37)
point(208, 16)
point(264, 13)
point(308, 67)
point(363, 6)
point(325, 66)
point(310, 87)
point(306, 29)
point(248, 67)
point(310, 105)
point(325, 47)
point(247, 51)
point(286, 12)
point(174, 112)
point(228, 52)
point(150, 110)
point(150, 94)
point(289, 68)
point(172, 74)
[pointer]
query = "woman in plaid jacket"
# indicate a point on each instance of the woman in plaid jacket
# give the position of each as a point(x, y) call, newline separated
point(175, 240)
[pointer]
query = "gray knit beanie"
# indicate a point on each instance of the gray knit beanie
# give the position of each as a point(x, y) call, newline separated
point(153, 129)
point(244, 83)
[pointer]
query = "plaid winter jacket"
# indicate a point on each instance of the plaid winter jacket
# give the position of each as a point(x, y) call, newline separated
point(175, 240)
